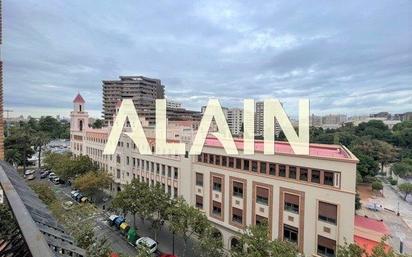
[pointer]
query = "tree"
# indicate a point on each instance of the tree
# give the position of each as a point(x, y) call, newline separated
point(135, 198)
point(44, 192)
point(208, 245)
point(158, 206)
point(98, 123)
point(100, 248)
point(143, 251)
point(18, 146)
point(85, 236)
point(386, 153)
point(350, 250)
point(402, 169)
point(377, 186)
point(405, 188)
point(39, 140)
point(255, 242)
point(93, 182)
point(380, 250)
point(186, 220)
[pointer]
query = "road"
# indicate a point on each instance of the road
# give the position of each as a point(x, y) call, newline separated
point(118, 242)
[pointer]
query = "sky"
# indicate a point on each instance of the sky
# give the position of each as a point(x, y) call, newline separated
point(350, 57)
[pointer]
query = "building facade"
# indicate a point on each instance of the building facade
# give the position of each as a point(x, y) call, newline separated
point(308, 200)
point(144, 92)
point(234, 118)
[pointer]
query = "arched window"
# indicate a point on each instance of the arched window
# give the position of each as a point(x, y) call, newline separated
point(81, 125)
point(216, 234)
point(234, 243)
point(80, 108)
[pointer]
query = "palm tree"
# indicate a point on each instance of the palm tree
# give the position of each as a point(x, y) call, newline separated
point(39, 140)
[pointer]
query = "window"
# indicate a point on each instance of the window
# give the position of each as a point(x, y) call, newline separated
point(246, 165)
point(328, 178)
point(282, 170)
point(290, 234)
point(157, 168)
point(263, 167)
point(117, 173)
point(152, 166)
point(134, 162)
point(176, 173)
point(231, 162)
point(199, 158)
point(217, 208)
point(147, 165)
point(163, 169)
point(175, 192)
point(118, 159)
point(205, 158)
point(238, 163)
point(315, 178)
point(211, 159)
point(272, 169)
point(224, 161)
point(199, 179)
point(217, 184)
point(237, 215)
point(127, 160)
point(292, 203)
point(217, 160)
point(254, 166)
point(169, 171)
point(237, 189)
point(199, 202)
point(261, 220)
point(303, 174)
point(262, 195)
point(326, 247)
point(328, 212)
point(292, 172)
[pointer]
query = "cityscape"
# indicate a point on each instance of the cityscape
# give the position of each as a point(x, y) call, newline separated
point(63, 99)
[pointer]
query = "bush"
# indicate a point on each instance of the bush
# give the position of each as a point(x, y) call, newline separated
point(377, 185)
point(393, 182)
point(44, 192)
point(369, 179)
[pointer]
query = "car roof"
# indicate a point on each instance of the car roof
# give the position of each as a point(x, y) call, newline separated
point(147, 240)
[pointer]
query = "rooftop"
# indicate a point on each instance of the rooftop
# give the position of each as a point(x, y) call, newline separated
point(315, 150)
point(78, 99)
point(371, 224)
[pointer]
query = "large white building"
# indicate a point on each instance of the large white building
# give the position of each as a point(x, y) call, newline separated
point(308, 200)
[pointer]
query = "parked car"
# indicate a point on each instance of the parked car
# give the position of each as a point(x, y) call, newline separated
point(147, 242)
point(44, 174)
point(56, 180)
point(75, 194)
point(111, 219)
point(52, 176)
point(79, 197)
point(29, 172)
point(119, 220)
point(31, 177)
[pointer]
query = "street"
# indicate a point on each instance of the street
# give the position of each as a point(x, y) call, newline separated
point(118, 242)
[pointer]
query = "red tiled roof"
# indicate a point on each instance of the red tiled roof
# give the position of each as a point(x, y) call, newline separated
point(367, 244)
point(317, 150)
point(371, 224)
point(78, 99)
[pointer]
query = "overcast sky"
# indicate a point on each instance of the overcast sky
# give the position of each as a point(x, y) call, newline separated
point(352, 57)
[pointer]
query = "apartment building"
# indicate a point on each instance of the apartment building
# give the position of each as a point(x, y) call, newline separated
point(235, 120)
point(307, 200)
point(143, 90)
point(259, 120)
